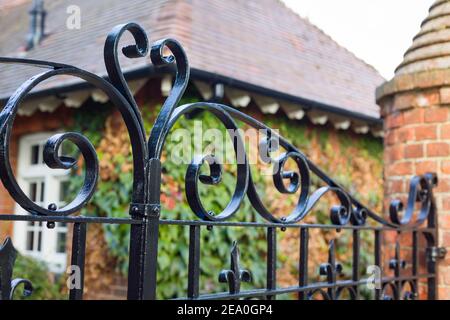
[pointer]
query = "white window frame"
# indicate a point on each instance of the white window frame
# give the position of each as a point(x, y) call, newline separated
point(52, 178)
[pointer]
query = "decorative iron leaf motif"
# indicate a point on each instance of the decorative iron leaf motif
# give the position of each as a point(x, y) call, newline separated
point(398, 288)
point(331, 270)
point(8, 255)
point(235, 275)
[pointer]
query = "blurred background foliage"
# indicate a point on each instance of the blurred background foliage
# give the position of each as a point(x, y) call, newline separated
point(46, 286)
point(355, 161)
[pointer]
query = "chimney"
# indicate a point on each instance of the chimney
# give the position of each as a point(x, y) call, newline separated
point(37, 24)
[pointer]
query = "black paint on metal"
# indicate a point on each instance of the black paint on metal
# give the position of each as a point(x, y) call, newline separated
point(78, 255)
point(416, 217)
point(194, 262)
point(271, 261)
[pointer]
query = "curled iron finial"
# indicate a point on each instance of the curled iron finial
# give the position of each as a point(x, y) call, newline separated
point(137, 50)
point(178, 57)
point(8, 255)
point(420, 191)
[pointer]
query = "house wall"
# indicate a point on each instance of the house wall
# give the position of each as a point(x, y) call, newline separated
point(23, 125)
point(354, 160)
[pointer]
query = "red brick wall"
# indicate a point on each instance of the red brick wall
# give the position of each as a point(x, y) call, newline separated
point(417, 141)
point(38, 122)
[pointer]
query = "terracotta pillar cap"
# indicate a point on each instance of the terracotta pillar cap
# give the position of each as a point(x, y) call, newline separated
point(413, 82)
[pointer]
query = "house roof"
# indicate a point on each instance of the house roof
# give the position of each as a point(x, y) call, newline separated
point(261, 43)
point(431, 46)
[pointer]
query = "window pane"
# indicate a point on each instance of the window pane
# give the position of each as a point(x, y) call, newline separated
point(42, 191)
point(61, 243)
point(35, 154)
point(30, 240)
point(41, 153)
point(33, 191)
point(39, 241)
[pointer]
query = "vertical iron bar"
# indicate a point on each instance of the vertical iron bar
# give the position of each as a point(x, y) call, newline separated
point(397, 268)
point(415, 259)
point(150, 259)
point(415, 256)
point(144, 240)
point(356, 253)
point(194, 262)
point(135, 261)
point(303, 262)
point(431, 282)
point(77, 259)
point(378, 263)
point(271, 261)
point(331, 272)
point(432, 240)
point(152, 231)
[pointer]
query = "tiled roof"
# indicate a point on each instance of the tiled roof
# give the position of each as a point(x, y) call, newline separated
point(260, 42)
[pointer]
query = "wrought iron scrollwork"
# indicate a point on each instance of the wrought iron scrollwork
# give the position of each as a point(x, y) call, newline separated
point(420, 191)
point(349, 210)
point(147, 151)
point(8, 286)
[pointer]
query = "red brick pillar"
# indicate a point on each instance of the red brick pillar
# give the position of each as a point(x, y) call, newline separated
point(415, 105)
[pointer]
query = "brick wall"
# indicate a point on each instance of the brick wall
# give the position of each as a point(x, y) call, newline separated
point(415, 105)
point(417, 141)
point(38, 122)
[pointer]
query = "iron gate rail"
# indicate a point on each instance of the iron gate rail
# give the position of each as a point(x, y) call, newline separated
point(145, 208)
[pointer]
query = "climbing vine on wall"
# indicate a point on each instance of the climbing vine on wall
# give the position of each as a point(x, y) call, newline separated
point(355, 161)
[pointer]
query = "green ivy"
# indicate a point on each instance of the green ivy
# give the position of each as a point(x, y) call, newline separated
point(46, 286)
point(112, 199)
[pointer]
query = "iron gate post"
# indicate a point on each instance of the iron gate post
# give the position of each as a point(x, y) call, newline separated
point(144, 239)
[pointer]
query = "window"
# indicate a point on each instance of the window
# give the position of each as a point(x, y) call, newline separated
point(34, 229)
point(43, 186)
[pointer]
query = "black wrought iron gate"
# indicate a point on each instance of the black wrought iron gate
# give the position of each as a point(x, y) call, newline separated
point(145, 209)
